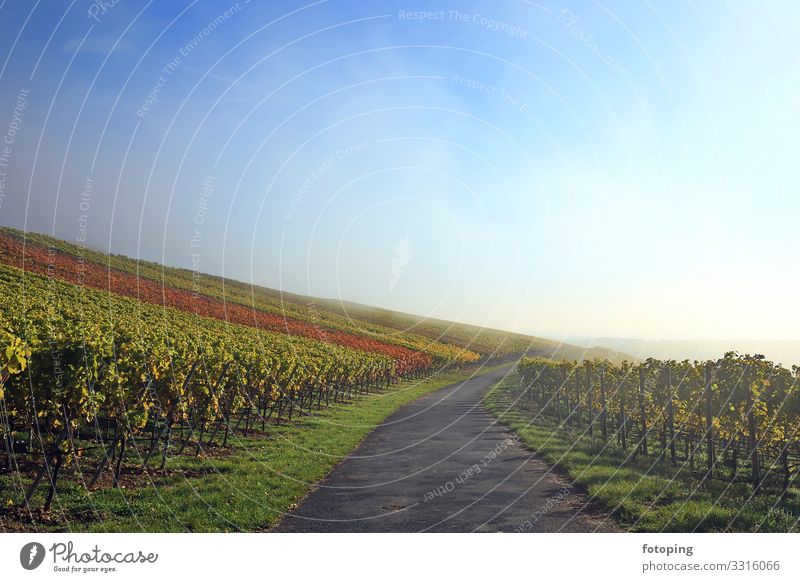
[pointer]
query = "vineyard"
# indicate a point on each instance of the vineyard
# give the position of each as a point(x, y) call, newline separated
point(105, 370)
point(52, 262)
point(110, 373)
point(736, 418)
point(719, 426)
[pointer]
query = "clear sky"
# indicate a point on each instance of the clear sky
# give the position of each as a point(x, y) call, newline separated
point(567, 169)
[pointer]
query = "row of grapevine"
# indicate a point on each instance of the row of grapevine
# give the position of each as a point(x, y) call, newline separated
point(210, 296)
point(736, 418)
point(90, 375)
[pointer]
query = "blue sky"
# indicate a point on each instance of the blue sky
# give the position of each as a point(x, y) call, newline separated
point(558, 168)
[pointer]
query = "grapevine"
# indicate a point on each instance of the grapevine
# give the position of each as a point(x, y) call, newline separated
point(736, 418)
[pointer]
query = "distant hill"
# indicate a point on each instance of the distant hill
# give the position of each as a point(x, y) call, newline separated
point(786, 352)
point(480, 339)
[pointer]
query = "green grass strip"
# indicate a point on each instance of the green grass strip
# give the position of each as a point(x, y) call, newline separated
point(643, 493)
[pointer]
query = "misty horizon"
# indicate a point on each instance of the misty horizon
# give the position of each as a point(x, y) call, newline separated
point(432, 166)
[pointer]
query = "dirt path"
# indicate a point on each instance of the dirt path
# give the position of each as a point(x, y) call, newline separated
point(442, 463)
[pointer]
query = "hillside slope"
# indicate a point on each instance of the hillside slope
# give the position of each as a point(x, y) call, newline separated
point(323, 319)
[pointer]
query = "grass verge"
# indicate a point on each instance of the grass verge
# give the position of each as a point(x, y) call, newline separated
point(642, 493)
point(248, 488)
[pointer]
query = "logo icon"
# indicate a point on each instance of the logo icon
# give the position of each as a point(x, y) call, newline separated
point(31, 555)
